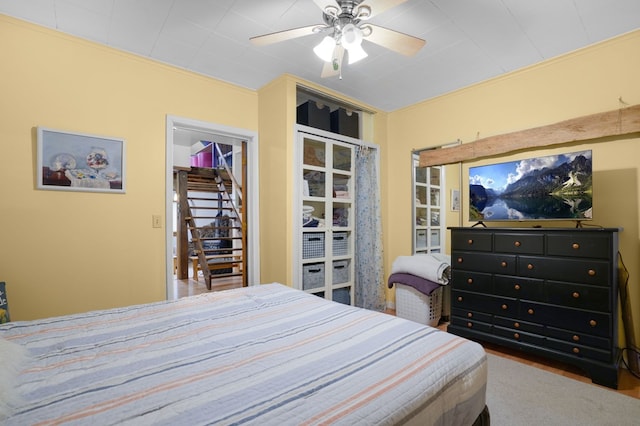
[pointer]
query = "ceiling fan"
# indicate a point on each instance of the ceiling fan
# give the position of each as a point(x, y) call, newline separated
point(345, 26)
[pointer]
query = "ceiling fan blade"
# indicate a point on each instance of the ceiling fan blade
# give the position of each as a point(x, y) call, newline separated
point(394, 40)
point(379, 6)
point(279, 36)
point(333, 68)
point(322, 4)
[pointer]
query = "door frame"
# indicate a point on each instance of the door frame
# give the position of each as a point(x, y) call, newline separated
point(252, 192)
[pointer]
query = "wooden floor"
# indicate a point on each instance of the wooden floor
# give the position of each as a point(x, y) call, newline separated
point(628, 384)
point(190, 287)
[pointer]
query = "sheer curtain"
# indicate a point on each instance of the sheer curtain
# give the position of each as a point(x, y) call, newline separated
point(369, 279)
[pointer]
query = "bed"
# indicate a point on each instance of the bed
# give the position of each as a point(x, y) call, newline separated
point(267, 355)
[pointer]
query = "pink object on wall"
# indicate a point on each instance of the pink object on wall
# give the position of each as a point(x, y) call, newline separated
point(206, 159)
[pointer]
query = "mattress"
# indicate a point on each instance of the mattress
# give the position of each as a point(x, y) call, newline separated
point(266, 354)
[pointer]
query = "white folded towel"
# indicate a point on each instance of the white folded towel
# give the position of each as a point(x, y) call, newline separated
point(432, 267)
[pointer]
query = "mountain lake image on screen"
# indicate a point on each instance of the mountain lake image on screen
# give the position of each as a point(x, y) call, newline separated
point(553, 187)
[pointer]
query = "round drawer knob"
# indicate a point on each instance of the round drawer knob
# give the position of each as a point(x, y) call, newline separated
point(516, 324)
point(470, 281)
point(592, 272)
point(576, 295)
point(469, 241)
point(516, 335)
point(593, 323)
point(459, 260)
point(459, 298)
point(503, 264)
point(469, 314)
point(576, 350)
point(575, 246)
point(530, 311)
point(530, 266)
point(470, 325)
point(575, 338)
point(517, 244)
point(504, 307)
point(516, 287)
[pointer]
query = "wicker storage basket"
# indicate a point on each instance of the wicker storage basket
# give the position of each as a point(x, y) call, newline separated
point(419, 307)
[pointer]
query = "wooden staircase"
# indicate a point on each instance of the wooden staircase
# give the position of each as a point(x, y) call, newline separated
point(210, 211)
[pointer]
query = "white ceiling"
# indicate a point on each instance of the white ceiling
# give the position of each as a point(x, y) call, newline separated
point(468, 41)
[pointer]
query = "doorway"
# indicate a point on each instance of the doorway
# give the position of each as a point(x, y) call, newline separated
point(182, 134)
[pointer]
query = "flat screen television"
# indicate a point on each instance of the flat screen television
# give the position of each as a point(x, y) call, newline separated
point(553, 187)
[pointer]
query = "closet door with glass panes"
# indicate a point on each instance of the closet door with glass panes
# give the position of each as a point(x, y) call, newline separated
point(428, 208)
point(325, 211)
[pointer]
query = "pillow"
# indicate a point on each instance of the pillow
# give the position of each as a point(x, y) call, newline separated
point(14, 356)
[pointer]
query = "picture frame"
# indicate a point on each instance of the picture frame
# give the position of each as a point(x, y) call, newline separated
point(72, 161)
point(455, 200)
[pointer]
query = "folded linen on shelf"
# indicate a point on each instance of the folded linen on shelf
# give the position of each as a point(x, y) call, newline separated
point(422, 285)
point(433, 267)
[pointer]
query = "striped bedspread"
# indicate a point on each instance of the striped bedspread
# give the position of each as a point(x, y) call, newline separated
point(266, 355)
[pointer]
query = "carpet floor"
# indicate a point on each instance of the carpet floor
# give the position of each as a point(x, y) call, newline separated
point(518, 394)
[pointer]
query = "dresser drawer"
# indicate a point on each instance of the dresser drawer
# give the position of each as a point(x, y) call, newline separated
point(472, 241)
point(577, 338)
point(472, 281)
point(519, 243)
point(595, 298)
point(594, 272)
point(580, 350)
point(519, 325)
point(484, 303)
point(471, 324)
point(522, 288)
point(497, 263)
point(472, 315)
point(590, 322)
point(576, 244)
point(519, 336)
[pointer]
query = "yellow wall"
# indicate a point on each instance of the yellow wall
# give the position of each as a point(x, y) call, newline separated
point(585, 82)
point(276, 159)
point(65, 252)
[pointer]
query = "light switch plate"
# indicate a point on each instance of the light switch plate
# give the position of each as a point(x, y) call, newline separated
point(156, 221)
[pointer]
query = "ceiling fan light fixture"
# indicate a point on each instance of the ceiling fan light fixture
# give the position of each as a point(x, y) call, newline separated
point(356, 53)
point(324, 49)
point(351, 36)
point(351, 39)
point(345, 24)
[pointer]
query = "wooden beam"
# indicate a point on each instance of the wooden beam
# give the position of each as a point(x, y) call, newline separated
point(618, 122)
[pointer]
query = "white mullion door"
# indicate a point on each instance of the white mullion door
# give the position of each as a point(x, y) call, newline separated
point(428, 208)
point(324, 217)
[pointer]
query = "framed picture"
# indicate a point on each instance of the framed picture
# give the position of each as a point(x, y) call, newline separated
point(455, 200)
point(79, 162)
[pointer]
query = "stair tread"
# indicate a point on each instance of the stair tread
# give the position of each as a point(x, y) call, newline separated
point(214, 186)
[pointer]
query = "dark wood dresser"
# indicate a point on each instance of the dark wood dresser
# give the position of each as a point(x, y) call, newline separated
point(547, 291)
